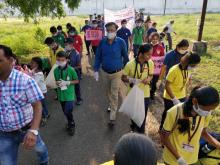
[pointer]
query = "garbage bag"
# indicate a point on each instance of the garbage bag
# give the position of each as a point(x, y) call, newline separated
point(133, 105)
point(50, 80)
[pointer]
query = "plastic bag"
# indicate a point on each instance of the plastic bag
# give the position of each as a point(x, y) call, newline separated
point(123, 91)
point(133, 105)
point(50, 80)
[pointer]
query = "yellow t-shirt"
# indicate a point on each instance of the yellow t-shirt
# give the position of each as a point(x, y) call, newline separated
point(178, 139)
point(53, 55)
point(108, 163)
point(130, 69)
point(178, 80)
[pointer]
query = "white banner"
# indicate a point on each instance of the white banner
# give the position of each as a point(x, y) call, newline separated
point(118, 16)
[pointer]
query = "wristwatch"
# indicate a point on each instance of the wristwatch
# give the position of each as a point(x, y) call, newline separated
point(35, 132)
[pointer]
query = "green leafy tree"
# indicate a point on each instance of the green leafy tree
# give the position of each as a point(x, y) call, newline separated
point(34, 8)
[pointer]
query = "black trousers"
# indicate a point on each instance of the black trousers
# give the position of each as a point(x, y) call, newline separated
point(170, 42)
point(167, 105)
point(153, 86)
point(134, 126)
point(87, 45)
point(94, 48)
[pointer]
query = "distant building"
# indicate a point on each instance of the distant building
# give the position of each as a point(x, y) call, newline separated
point(148, 6)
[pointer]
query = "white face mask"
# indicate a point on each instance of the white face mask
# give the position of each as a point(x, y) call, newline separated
point(68, 48)
point(190, 68)
point(72, 33)
point(201, 112)
point(111, 35)
point(182, 51)
point(138, 24)
point(95, 25)
point(61, 64)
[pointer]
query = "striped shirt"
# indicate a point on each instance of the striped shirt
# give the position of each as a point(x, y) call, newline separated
point(17, 94)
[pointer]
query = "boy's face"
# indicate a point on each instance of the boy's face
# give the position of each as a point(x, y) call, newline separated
point(61, 59)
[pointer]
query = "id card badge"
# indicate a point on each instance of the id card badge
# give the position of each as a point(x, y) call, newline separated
point(63, 88)
point(188, 147)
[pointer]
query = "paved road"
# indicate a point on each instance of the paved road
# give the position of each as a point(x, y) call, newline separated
point(93, 142)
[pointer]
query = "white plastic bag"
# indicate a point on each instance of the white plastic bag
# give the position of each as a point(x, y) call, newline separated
point(123, 91)
point(133, 105)
point(50, 80)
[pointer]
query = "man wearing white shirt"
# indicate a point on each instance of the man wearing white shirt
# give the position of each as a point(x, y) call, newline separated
point(169, 31)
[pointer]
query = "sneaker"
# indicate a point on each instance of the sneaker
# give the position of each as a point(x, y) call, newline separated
point(111, 123)
point(79, 102)
point(48, 116)
point(46, 163)
point(71, 130)
point(43, 122)
point(109, 109)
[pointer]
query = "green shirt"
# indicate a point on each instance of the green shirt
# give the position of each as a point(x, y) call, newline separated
point(138, 35)
point(68, 74)
point(59, 39)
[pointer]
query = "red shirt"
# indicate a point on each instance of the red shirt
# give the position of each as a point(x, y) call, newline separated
point(78, 43)
point(95, 42)
point(158, 58)
point(158, 50)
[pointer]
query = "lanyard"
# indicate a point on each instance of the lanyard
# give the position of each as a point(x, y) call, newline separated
point(184, 75)
point(191, 136)
point(141, 71)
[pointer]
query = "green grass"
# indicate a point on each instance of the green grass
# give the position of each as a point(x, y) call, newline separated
point(22, 38)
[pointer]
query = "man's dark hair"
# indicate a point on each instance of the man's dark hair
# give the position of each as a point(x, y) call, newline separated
point(49, 41)
point(194, 58)
point(39, 62)
point(72, 29)
point(94, 21)
point(135, 149)
point(183, 43)
point(7, 51)
point(53, 29)
point(123, 21)
point(59, 27)
point(139, 20)
point(111, 24)
point(69, 40)
point(62, 54)
point(68, 25)
point(154, 24)
point(145, 48)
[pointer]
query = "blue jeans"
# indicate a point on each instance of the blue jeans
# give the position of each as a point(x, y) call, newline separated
point(67, 107)
point(9, 144)
point(44, 108)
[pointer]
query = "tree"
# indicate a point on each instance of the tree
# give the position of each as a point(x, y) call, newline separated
point(34, 8)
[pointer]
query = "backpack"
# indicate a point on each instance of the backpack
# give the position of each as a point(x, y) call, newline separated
point(206, 148)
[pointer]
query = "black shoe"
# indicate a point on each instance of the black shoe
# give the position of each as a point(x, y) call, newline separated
point(111, 123)
point(46, 163)
point(79, 102)
point(71, 131)
point(43, 122)
point(48, 116)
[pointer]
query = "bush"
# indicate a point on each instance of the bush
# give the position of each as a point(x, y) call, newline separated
point(40, 35)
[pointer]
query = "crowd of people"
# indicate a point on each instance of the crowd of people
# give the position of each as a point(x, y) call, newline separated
point(185, 119)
